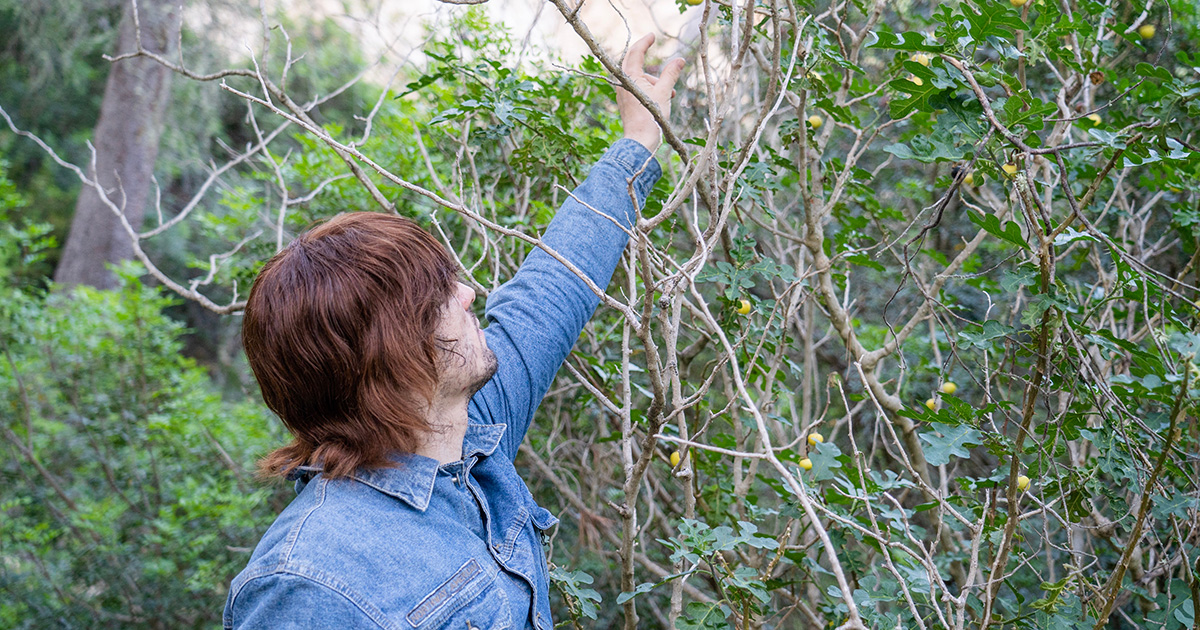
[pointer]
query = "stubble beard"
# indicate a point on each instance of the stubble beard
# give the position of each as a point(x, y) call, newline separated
point(490, 365)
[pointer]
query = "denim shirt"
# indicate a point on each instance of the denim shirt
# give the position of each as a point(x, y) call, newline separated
point(458, 545)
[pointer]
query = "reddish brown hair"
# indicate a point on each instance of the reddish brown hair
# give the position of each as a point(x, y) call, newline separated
point(339, 330)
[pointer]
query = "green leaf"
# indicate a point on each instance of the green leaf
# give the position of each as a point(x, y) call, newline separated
point(1010, 232)
point(644, 587)
point(569, 583)
point(824, 458)
point(989, 331)
point(1186, 614)
point(908, 40)
point(992, 19)
point(939, 147)
point(700, 616)
point(1025, 109)
point(952, 443)
point(917, 99)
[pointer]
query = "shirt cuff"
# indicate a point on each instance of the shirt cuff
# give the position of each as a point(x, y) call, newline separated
point(637, 162)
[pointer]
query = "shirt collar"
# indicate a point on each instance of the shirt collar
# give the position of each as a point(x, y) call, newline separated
point(413, 477)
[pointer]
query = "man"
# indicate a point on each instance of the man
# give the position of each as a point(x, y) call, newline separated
point(407, 417)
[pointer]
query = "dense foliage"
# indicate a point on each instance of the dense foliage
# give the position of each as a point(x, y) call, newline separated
point(957, 241)
point(128, 498)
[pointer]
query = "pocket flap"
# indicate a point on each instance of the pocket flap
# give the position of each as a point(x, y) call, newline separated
point(463, 585)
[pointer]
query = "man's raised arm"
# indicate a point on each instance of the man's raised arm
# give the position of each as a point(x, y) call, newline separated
point(535, 318)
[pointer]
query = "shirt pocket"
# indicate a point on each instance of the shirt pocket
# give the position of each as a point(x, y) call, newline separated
point(470, 600)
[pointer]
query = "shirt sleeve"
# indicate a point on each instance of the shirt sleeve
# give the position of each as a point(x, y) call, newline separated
point(534, 319)
point(285, 601)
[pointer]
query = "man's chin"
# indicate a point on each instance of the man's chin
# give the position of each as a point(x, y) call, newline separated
point(489, 370)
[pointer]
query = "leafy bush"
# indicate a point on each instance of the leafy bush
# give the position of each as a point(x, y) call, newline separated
point(129, 501)
point(959, 241)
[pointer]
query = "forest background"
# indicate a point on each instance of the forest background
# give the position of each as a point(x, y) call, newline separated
point(905, 337)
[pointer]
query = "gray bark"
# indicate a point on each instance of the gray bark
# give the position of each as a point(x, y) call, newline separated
point(126, 141)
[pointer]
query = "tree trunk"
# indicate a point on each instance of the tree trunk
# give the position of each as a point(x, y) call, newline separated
point(126, 142)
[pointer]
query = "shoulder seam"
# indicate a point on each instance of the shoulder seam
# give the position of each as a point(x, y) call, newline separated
point(294, 535)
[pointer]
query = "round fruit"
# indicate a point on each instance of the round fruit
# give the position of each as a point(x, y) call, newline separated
point(1018, 3)
point(675, 459)
point(969, 179)
point(916, 80)
point(813, 438)
point(1146, 31)
point(695, 2)
point(743, 307)
point(1022, 483)
point(949, 387)
point(1010, 169)
point(1095, 118)
point(932, 404)
point(921, 58)
point(815, 121)
point(806, 463)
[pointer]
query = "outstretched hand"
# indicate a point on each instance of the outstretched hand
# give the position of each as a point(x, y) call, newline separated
point(636, 120)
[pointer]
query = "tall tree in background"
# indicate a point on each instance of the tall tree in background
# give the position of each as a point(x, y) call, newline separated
point(126, 142)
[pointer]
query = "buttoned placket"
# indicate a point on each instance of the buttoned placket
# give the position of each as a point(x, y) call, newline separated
point(539, 620)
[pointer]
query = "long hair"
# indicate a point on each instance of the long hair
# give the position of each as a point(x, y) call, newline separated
point(339, 330)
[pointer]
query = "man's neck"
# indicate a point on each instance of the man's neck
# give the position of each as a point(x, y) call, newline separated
point(448, 416)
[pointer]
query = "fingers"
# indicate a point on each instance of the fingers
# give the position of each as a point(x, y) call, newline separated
point(636, 58)
point(664, 84)
point(671, 73)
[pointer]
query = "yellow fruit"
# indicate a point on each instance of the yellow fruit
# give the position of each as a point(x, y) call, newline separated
point(675, 459)
point(949, 387)
point(969, 179)
point(813, 438)
point(1018, 3)
point(1010, 169)
point(921, 58)
point(695, 2)
point(916, 79)
point(815, 121)
point(806, 463)
point(1095, 118)
point(1022, 483)
point(743, 307)
point(1146, 31)
point(932, 404)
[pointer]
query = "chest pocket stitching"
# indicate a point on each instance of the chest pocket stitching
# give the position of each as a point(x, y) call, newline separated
point(457, 584)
